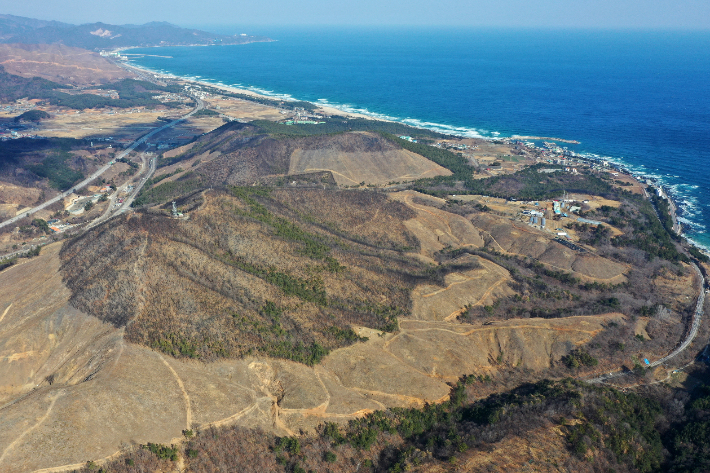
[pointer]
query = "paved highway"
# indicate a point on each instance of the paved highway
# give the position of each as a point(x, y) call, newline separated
point(146, 171)
point(692, 333)
point(99, 172)
point(697, 317)
point(151, 169)
point(129, 200)
point(61, 196)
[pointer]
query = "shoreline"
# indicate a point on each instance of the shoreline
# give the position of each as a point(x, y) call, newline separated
point(544, 138)
point(127, 48)
point(332, 110)
point(239, 90)
point(664, 193)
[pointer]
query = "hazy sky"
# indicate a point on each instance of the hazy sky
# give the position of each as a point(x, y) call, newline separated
point(690, 14)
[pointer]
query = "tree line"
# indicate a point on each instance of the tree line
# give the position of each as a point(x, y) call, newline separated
point(603, 429)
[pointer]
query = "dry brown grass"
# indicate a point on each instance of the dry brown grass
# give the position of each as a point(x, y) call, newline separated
point(196, 298)
point(361, 157)
point(166, 274)
point(519, 239)
point(144, 396)
point(243, 109)
point(239, 154)
point(14, 198)
point(60, 63)
point(120, 123)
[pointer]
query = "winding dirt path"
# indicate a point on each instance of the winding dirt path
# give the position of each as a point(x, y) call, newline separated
point(231, 419)
point(444, 289)
point(185, 396)
point(507, 327)
point(30, 429)
point(5, 312)
point(319, 410)
point(400, 397)
point(452, 317)
point(78, 466)
point(408, 201)
point(502, 250)
point(327, 170)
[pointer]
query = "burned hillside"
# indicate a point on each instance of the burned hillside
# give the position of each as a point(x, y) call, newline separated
point(250, 271)
point(245, 154)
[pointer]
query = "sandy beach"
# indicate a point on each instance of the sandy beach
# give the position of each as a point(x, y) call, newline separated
point(333, 111)
point(325, 110)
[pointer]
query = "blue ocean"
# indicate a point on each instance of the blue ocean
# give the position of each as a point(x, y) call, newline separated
point(641, 98)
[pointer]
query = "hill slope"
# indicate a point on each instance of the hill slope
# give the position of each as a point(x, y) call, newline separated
point(67, 375)
point(248, 272)
point(59, 63)
point(245, 154)
point(361, 157)
point(216, 300)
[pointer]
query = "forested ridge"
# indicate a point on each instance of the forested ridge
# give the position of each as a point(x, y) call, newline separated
point(132, 93)
point(49, 158)
point(302, 261)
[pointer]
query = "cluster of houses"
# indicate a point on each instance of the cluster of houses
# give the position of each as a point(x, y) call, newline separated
point(560, 208)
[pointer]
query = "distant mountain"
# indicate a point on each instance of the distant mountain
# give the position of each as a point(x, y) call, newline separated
point(11, 25)
point(15, 29)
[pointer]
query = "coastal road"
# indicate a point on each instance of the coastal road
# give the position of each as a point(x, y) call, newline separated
point(99, 172)
point(129, 200)
point(692, 333)
point(673, 210)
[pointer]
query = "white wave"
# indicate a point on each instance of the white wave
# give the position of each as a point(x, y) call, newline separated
point(694, 240)
point(694, 225)
point(690, 211)
point(689, 208)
